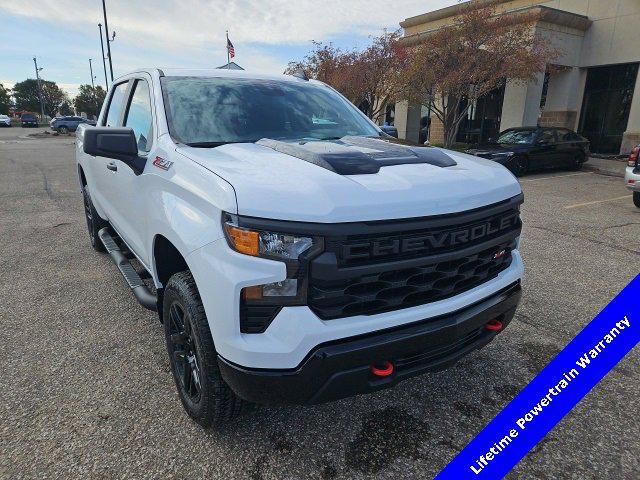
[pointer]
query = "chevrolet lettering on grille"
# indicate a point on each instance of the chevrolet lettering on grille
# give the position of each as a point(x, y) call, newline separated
point(427, 242)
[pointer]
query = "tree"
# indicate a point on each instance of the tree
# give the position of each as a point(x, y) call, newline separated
point(65, 108)
point(5, 100)
point(26, 96)
point(366, 77)
point(89, 100)
point(454, 66)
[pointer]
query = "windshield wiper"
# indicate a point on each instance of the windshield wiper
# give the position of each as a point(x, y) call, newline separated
point(215, 144)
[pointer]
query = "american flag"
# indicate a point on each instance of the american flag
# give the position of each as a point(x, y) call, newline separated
point(230, 49)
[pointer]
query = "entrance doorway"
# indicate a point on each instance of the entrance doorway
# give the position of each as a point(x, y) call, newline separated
point(605, 109)
point(483, 119)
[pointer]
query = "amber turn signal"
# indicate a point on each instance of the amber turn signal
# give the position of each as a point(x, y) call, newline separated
point(244, 241)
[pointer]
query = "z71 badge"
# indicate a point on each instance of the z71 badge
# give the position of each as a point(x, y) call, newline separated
point(162, 163)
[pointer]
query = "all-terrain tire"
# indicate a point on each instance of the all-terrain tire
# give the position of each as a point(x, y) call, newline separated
point(636, 199)
point(210, 402)
point(94, 222)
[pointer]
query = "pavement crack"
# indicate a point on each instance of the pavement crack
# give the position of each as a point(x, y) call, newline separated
point(587, 239)
point(47, 186)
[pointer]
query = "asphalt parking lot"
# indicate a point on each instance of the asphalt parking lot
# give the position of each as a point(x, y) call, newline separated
point(86, 391)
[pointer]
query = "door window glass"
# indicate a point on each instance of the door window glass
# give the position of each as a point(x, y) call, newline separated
point(139, 115)
point(116, 104)
point(547, 136)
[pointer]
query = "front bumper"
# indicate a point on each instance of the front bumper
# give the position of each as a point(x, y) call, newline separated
point(340, 368)
point(632, 179)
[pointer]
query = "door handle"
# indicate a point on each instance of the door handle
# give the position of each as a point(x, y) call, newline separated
point(112, 166)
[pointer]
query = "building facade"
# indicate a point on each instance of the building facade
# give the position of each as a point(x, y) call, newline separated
point(593, 88)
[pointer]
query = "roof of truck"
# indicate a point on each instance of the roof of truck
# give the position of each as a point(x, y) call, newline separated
point(217, 72)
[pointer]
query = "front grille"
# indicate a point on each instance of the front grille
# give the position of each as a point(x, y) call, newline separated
point(395, 289)
point(379, 276)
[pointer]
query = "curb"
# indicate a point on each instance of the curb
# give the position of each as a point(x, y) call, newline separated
point(601, 171)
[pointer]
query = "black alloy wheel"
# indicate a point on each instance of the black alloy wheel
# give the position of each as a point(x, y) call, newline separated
point(518, 165)
point(182, 347)
point(577, 161)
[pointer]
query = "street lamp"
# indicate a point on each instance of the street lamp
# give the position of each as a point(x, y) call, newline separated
point(38, 70)
point(104, 65)
point(109, 40)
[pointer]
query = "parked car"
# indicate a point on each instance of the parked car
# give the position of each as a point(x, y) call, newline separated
point(68, 124)
point(534, 148)
point(632, 174)
point(298, 254)
point(389, 130)
point(5, 121)
point(28, 120)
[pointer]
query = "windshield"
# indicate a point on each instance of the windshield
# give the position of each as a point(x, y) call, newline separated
point(517, 136)
point(212, 111)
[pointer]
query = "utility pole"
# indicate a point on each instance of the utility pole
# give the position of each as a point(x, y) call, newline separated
point(106, 34)
point(104, 65)
point(35, 63)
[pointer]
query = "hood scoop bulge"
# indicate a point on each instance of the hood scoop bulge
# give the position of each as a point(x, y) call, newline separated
point(358, 155)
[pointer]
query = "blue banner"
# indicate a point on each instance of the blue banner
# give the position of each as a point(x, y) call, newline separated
point(553, 392)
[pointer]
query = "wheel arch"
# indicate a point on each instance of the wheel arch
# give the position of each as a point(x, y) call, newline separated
point(167, 261)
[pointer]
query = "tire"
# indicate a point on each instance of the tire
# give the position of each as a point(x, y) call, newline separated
point(94, 222)
point(636, 199)
point(518, 165)
point(63, 130)
point(205, 396)
point(577, 161)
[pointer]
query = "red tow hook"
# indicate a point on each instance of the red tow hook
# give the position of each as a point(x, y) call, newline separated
point(383, 369)
point(494, 325)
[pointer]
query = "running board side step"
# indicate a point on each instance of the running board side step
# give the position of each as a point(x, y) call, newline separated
point(140, 291)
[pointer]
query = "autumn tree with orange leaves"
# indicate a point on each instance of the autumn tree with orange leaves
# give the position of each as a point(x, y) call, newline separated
point(453, 66)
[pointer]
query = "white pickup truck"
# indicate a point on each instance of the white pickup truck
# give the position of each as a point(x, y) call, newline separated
point(294, 252)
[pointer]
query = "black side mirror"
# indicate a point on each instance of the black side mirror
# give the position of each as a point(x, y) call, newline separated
point(491, 140)
point(110, 142)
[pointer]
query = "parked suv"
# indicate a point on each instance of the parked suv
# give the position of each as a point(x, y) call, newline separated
point(296, 253)
point(68, 124)
point(632, 175)
point(28, 120)
point(5, 121)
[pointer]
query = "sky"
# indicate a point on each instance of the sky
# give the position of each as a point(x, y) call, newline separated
point(267, 34)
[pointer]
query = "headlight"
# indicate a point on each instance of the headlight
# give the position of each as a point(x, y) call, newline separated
point(259, 304)
point(273, 245)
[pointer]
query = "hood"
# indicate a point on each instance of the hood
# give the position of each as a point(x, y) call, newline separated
point(272, 184)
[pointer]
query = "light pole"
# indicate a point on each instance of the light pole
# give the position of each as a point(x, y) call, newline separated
point(106, 34)
point(92, 77)
point(104, 65)
point(35, 63)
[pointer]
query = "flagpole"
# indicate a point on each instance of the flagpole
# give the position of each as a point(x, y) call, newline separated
point(228, 58)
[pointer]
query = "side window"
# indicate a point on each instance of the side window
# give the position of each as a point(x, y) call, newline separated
point(116, 104)
point(565, 135)
point(139, 115)
point(547, 136)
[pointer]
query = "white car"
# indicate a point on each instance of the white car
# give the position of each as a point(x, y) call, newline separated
point(5, 121)
point(298, 254)
point(632, 175)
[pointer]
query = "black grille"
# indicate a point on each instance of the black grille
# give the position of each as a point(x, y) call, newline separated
point(370, 273)
point(408, 287)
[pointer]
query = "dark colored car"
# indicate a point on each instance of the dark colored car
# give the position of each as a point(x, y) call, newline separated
point(28, 120)
point(389, 130)
point(68, 124)
point(534, 148)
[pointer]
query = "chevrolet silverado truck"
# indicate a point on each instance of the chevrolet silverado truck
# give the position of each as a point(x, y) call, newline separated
point(294, 252)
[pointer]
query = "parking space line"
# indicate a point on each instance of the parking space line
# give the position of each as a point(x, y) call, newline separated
point(555, 176)
point(596, 201)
